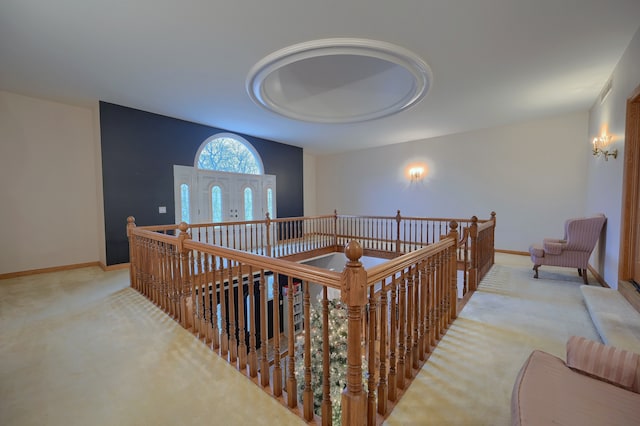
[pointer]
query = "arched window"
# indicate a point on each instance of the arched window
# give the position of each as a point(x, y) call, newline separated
point(226, 152)
point(184, 203)
point(216, 204)
point(270, 202)
point(248, 204)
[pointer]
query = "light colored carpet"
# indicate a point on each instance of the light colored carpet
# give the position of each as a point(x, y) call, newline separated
point(81, 348)
point(469, 377)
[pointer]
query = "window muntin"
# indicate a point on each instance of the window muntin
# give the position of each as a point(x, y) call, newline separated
point(226, 152)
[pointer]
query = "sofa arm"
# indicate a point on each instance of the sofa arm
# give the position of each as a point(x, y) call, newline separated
point(607, 363)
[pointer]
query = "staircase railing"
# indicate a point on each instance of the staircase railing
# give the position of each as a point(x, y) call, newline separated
point(231, 299)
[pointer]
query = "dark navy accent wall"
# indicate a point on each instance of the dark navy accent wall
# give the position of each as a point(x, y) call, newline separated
point(139, 150)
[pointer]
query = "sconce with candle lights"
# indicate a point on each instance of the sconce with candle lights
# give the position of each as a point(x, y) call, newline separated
point(600, 144)
point(416, 173)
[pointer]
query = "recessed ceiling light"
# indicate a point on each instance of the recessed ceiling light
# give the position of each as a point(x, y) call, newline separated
point(339, 80)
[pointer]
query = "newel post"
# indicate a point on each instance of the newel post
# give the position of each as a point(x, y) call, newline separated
point(335, 229)
point(493, 239)
point(473, 271)
point(453, 261)
point(354, 295)
point(131, 224)
point(186, 304)
point(267, 223)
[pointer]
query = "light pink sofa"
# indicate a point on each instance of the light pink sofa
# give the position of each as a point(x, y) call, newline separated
point(574, 250)
point(598, 385)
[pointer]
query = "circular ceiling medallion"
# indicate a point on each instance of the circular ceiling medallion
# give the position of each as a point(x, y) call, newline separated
point(339, 80)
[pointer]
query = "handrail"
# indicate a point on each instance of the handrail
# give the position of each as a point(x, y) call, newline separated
point(378, 272)
point(307, 272)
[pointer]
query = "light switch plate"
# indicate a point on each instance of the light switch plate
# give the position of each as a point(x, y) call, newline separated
point(162, 209)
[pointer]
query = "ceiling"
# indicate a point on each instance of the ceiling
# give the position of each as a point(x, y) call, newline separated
point(493, 62)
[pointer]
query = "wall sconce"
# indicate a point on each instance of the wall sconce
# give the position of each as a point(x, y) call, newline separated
point(416, 173)
point(600, 147)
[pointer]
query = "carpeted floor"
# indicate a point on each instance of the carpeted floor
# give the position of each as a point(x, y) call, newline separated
point(81, 348)
point(469, 377)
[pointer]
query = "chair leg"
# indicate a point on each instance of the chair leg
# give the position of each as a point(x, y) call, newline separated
point(535, 268)
point(584, 276)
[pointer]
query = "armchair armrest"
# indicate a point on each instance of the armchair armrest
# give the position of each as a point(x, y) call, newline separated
point(553, 246)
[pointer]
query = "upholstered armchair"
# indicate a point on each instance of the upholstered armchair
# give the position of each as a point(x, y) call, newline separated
point(574, 250)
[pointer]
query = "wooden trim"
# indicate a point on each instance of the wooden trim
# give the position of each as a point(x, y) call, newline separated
point(598, 277)
point(629, 292)
point(516, 252)
point(631, 186)
point(116, 267)
point(47, 270)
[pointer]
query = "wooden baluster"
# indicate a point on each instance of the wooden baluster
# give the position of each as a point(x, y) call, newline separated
point(169, 281)
point(176, 290)
point(267, 228)
point(292, 385)
point(408, 357)
point(207, 280)
point(242, 336)
point(203, 295)
point(432, 303)
point(355, 296)
point(160, 276)
point(264, 335)
point(307, 395)
point(393, 341)
point(152, 272)
point(442, 275)
point(166, 265)
point(277, 368)
point(371, 398)
point(402, 322)
point(383, 391)
point(224, 338)
point(473, 270)
point(233, 341)
point(415, 353)
point(133, 264)
point(424, 313)
point(215, 327)
point(326, 385)
point(196, 294)
point(453, 262)
point(253, 356)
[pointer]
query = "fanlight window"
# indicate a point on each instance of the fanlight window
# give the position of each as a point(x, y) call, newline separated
point(229, 153)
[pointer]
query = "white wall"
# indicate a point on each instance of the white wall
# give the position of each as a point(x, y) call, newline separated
point(48, 172)
point(533, 175)
point(605, 179)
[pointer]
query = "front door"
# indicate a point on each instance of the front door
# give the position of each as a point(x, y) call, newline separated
point(210, 196)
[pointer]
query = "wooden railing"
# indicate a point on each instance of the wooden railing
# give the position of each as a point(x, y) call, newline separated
point(394, 312)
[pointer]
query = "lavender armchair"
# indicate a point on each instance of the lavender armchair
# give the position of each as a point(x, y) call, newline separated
point(580, 238)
